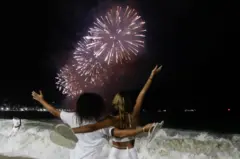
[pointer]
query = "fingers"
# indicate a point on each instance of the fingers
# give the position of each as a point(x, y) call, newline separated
point(33, 93)
point(149, 125)
point(151, 129)
point(159, 68)
point(146, 126)
point(154, 68)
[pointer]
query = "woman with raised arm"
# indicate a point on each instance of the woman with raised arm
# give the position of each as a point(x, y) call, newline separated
point(89, 110)
point(127, 118)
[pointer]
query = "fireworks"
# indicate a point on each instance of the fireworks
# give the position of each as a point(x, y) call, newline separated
point(88, 66)
point(68, 81)
point(118, 35)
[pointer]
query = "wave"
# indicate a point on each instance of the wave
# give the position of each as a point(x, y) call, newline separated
point(32, 140)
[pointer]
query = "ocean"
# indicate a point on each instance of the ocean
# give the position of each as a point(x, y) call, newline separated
point(32, 141)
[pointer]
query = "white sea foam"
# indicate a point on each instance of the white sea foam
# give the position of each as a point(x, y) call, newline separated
point(32, 140)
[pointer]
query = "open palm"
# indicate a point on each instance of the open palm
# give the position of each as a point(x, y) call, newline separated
point(37, 96)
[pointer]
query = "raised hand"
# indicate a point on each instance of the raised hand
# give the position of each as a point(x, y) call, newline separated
point(36, 96)
point(156, 70)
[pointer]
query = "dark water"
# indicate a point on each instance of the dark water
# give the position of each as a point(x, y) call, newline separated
point(211, 121)
point(216, 122)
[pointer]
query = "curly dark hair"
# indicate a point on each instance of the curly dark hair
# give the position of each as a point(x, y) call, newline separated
point(90, 106)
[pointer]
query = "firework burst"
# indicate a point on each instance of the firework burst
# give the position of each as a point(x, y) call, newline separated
point(118, 35)
point(88, 65)
point(69, 82)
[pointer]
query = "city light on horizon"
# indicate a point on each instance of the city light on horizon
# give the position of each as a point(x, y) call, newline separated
point(23, 109)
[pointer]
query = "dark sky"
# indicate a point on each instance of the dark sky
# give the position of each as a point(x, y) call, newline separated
point(188, 38)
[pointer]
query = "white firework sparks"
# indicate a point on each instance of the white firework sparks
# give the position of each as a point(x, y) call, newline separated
point(118, 35)
point(68, 81)
point(88, 65)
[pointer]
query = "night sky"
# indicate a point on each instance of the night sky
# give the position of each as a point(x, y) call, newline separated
point(188, 38)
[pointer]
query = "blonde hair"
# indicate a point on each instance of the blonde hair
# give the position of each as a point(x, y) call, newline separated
point(125, 117)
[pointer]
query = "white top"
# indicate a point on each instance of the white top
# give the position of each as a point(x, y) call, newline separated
point(124, 139)
point(89, 145)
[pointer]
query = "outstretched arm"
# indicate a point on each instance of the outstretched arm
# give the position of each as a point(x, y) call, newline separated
point(50, 108)
point(131, 132)
point(139, 101)
point(108, 122)
point(126, 132)
point(115, 131)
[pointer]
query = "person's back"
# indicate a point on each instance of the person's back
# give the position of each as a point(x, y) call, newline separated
point(89, 145)
point(89, 109)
